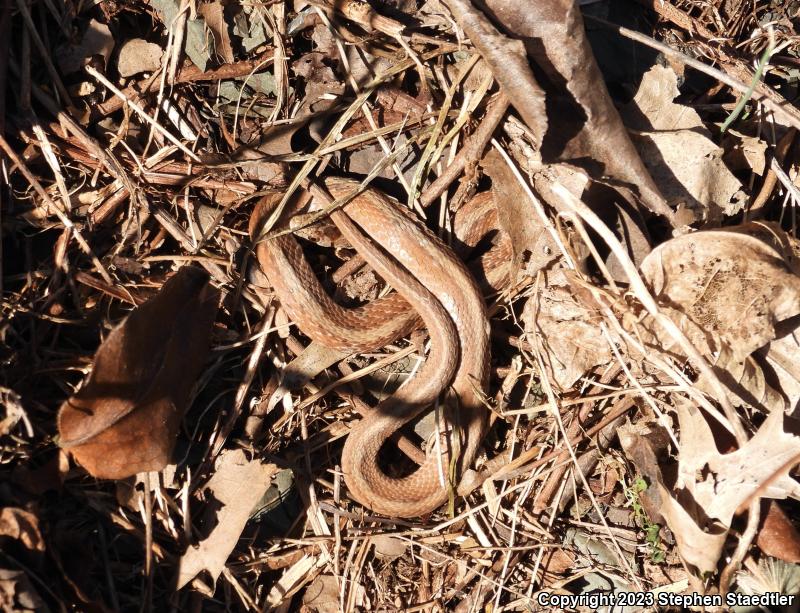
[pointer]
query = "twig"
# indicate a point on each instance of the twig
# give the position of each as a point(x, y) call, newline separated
point(787, 183)
point(147, 604)
point(753, 517)
point(89, 143)
point(143, 115)
point(554, 480)
point(187, 75)
point(22, 5)
point(66, 221)
point(471, 151)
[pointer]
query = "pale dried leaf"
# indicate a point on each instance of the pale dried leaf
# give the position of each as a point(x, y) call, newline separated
point(730, 284)
point(517, 217)
point(745, 378)
point(238, 484)
point(653, 108)
point(783, 355)
point(138, 55)
point(22, 526)
point(573, 342)
point(388, 547)
point(677, 149)
point(698, 546)
point(736, 475)
point(743, 152)
point(727, 291)
point(712, 487)
point(97, 40)
point(322, 596)
point(214, 15)
point(18, 594)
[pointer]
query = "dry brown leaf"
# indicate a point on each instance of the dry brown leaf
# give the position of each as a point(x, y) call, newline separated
point(509, 63)
point(238, 483)
point(517, 217)
point(556, 562)
point(97, 40)
point(138, 55)
point(388, 547)
point(745, 379)
point(214, 15)
point(588, 124)
point(778, 536)
point(677, 149)
point(646, 443)
point(728, 292)
point(322, 89)
point(783, 355)
point(730, 284)
point(573, 342)
point(712, 487)
point(743, 152)
point(322, 596)
point(22, 526)
point(615, 204)
point(125, 418)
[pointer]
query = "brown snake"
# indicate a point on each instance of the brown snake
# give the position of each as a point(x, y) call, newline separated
point(435, 283)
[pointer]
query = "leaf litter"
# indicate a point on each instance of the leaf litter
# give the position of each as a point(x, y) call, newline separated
point(167, 434)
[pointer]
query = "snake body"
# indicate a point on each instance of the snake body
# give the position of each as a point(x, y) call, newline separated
point(431, 283)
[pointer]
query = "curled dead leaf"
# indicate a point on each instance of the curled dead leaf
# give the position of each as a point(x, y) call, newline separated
point(712, 487)
point(322, 596)
point(589, 125)
point(22, 526)
point(517, 217)
point(125, 418)
point(508, 60)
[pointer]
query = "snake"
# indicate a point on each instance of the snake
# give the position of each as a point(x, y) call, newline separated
point(432, 285)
